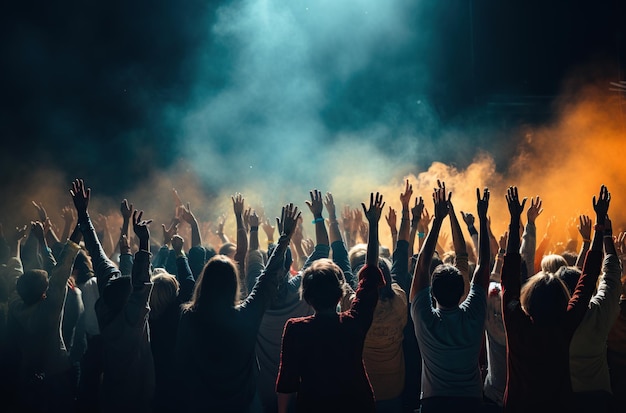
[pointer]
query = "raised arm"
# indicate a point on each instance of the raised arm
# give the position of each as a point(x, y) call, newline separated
point(511, 280)
point(265, 287)
point(391, 222)
point(421, 278)
point(529, 237)
point(103, 267)
point(69, 216)
point(401, 255)
point(188, 216)
point(339, 250)
point(242, 236)
point(482, 272)
point(591, 269)
point(469, 220)
point(137, 307)
point(460, 249)
point(584, 228)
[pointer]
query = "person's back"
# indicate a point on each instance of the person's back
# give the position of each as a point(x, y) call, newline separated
point(540, 320)
point(450, 334)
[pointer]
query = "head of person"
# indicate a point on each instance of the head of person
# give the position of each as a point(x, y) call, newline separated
point(544, 298)
point(228, 249)
point(570, 276)
point(447, 286)
point(83, 267)
point(164, 293)
point(32, 286)
point(552, 262)
point(217, 286)
point(322, 287)
point(570, 257)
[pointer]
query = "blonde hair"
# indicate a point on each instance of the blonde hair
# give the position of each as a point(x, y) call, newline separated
point(164, 293)
point(551, 263)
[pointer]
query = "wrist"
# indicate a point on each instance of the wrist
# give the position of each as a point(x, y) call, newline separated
point(472, 230)
point(254, 228)
point(317, 220)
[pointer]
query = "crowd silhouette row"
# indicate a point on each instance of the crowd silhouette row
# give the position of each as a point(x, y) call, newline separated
point(514, 322)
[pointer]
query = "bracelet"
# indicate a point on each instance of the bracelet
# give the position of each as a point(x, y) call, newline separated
point(421, 234)
point(586, 240)
point(501, 251)
point(254, 228)
point(472, 230)
point(608, 236)
point(316, 220)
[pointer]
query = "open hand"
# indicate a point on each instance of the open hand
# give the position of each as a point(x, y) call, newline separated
point(80, 196)
point(512, 200)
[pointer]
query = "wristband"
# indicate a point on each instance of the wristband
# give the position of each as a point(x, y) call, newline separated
point(316, 220)
point(608, 236)
point(254, 228)
point(586, 240)
point(421, 234)
point(501, 251)
point(472, 230)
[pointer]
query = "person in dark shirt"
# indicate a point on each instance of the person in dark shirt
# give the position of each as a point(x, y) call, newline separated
point(215, 348)
point(540, 319)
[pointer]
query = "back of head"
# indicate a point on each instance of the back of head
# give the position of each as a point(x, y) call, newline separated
point(447, 285)
point(321, 284)
point(570, 257)
point(544, 297)
point(164, 293)
point(356, 256)
point(227, 249)
point(217, 286)
point(83, 268)
point(552, 263)
point(32, 285)
point(569, 275)
point(117, 292)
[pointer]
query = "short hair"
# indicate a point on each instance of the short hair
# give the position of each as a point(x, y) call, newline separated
point(356, 256)
point(164, 293)
point(570, 276)
point(551, 263)
point(545, 297)
point(32, 285)
point(570, 257)
point(321, 284)
point(227, 248)
point(447, 286)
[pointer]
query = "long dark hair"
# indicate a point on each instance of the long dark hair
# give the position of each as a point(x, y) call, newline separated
point(217, 286)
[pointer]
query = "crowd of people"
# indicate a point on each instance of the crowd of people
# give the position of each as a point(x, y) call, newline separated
point(513, 322)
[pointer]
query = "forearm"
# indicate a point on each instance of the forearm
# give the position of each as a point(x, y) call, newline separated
point(254, 239)
point(482, 273)
point(458, 240)
point(421, 279)
point(321, 235)
point(196, 237)
point(527, 250)
point(580, 260)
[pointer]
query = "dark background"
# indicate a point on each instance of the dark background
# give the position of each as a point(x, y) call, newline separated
point(85, 84)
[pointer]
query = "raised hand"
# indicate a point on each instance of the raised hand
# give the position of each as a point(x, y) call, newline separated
point(68, 214)
point(442, 206)
point(584, 227)
point(534, 210)
point(126, 210)
point(177, 244)
point(405, 197)
point(37, 229)
point(512, 200)
point(482, 203)
point(184, 212)
point(253, 219)
point(140, 227)
point(417, 212)
point(18, 234)
point(168, 233)
point(238, 204)
point(41, 211)
point(289, 220)
point(503, 240)
point(468, 218)
point(80, 196)
point(375, 209)
point(269, 229)
point(620, 243)
point(329, 203)
point(391, 220)
point(316, 204)
point(424, 221)
point(308, 246)
point(601, 204)
point(346, 218)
